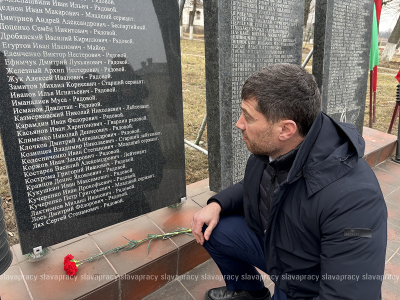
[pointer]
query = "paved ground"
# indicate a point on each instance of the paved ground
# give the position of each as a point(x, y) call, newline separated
point(194, 284)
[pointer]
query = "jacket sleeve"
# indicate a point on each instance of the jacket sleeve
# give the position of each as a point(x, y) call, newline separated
point(352, 266)
point(230, 199)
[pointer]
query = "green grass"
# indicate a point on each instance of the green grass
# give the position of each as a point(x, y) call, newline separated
point(194, 107)
point(385, 102)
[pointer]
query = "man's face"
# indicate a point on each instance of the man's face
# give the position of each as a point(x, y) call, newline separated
point(260, 136)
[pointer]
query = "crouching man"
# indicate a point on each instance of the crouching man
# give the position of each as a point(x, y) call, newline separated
point(309, 211)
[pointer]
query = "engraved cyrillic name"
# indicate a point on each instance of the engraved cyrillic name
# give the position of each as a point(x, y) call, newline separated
point(348, 36)
point(256, 42)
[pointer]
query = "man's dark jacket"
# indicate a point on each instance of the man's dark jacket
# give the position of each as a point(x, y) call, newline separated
point(329, 188)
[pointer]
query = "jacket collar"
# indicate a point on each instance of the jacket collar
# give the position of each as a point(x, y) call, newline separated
point(305, 148)
point(330, 150)
point(282, 163)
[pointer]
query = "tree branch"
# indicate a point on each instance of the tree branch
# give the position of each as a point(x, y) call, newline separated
point(386, 2)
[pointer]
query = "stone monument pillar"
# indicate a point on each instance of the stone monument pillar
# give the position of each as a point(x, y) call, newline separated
point(342, 40)
point(242, 37)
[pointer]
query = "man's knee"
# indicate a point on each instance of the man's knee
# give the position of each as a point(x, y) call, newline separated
point(214, 233)
point(218, 233)
point(226, 229)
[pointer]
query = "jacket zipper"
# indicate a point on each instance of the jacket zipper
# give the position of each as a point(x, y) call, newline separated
point(270, 193)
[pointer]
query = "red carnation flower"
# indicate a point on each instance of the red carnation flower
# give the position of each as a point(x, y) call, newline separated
point(69, 257)
point(69, 265)
point(70, 268)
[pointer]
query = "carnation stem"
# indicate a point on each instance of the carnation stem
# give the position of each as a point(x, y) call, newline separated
point(133, 244)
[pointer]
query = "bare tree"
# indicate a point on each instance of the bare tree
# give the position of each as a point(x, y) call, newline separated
point(394, 38)
point(307, 4)
point(309, 16)
point(193, 4)
point(390, 47)
point(191, 18)
point(181, 6)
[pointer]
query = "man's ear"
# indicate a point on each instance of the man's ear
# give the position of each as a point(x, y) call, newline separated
point(288, 129)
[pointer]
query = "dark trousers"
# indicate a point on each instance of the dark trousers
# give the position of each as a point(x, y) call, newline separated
point(237, 250)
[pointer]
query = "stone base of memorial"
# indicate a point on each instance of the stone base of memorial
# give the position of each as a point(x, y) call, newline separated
point(125, 275)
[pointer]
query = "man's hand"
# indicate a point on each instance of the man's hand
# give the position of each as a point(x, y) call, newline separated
point(208, 215)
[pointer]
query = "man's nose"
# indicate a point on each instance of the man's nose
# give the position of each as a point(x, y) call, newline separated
point(240, 123)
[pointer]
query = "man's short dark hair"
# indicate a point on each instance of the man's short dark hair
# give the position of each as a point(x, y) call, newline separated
point(285, 92)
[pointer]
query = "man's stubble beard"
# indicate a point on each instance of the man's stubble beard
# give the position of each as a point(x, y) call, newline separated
point(268, 149)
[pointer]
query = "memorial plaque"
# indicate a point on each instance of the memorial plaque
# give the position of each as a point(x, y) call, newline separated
point(90, 113)
point(242, 37)
point(341, 55)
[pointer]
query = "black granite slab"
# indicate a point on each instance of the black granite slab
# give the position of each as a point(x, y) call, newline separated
point(90, 113)
point(242, 37)
point(342, 41)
